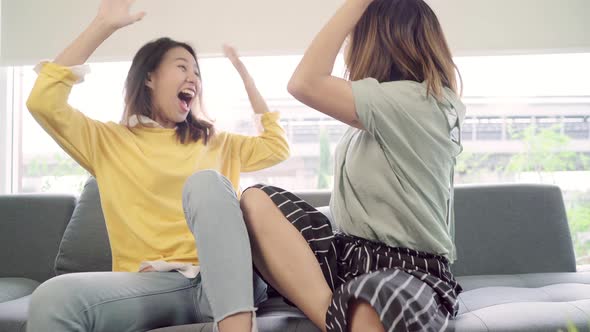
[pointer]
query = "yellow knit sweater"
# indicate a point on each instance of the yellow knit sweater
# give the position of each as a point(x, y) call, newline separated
point(141, 171)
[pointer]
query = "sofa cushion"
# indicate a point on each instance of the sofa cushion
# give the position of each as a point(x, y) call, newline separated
point(525, 316)
point(273, 315)
point(31, 228)
point(526, 302)
point(511, 229)
point(85, 244)
point(13, 314)
point(14, 288)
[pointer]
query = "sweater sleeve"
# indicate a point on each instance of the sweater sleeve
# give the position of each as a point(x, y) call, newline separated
point(76, 133)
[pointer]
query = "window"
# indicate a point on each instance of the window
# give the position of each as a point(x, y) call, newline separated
point(528, 120)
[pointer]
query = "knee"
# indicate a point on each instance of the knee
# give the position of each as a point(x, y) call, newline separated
point(55, 299)
point(205, 184)
point(203, 180)
point(252, 198)
point(363, 317)
point(253, 203)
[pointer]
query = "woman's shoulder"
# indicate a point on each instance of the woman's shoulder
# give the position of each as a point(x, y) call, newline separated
point(397, 89)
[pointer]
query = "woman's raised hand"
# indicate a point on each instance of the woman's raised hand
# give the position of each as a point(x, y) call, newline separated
point(117, 13)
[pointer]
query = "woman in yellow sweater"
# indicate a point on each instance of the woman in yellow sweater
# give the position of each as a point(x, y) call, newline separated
point(161, 173)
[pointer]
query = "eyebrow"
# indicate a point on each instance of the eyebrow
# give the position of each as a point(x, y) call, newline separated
point(185, 60)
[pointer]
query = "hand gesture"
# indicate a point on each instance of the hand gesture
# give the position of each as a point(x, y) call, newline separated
point(116, 13)
point(231, 53)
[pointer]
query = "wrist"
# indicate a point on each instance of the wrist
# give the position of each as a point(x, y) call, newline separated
point(102, 25)
point(362, 3)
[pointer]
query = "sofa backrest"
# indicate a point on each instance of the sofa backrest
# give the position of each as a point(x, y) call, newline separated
point(500, 229)
point(85, 245)
point(31, 229)
point(511, 229)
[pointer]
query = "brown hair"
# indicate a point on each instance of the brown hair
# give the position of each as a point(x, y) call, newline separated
point(138, 97)
point(401, 40)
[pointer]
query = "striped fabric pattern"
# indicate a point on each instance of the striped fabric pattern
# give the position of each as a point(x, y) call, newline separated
point(409, 290)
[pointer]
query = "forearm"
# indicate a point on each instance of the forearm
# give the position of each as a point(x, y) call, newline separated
point(256, 100)
point(88, 41)
point(319, 58)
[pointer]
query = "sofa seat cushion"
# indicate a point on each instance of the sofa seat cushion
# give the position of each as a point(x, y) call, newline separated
point(15, 294)
point(524, 302)
point(15, 288)
point(273, 315)
point(13, 314)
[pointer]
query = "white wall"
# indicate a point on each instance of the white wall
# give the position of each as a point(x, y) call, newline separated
point(36, 29)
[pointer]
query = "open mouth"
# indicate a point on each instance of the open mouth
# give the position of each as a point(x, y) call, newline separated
point(186, 96)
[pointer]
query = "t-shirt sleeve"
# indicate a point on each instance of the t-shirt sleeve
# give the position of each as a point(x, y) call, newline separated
point(382, 112)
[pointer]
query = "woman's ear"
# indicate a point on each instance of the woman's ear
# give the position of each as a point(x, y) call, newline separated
point(148, 81)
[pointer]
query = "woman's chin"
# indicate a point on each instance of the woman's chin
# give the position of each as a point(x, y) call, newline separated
point(180, 119)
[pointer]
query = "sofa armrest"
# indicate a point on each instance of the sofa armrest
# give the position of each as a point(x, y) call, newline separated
point(31, 228)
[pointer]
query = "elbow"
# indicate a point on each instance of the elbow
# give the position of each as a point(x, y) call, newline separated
point(35, 104)
point(293, 87)
point(38, 102)
point(297, 88)
point(282, 151)
point(285, 152)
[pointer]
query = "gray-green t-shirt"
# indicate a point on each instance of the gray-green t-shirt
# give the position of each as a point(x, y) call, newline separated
point(393, 181)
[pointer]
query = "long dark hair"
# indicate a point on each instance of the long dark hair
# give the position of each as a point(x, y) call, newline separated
point(138, 97)
point(401, 40)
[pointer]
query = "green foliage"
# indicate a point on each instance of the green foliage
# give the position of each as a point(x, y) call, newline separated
point(571, 327)
point(545, 152)
point(59, 164)
point(578, 216)
point(469, 163)
point(51, 171)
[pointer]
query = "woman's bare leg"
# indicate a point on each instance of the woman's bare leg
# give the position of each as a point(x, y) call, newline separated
point(284, 258)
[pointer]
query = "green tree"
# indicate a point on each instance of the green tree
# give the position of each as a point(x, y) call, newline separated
point(578, 216)
point(470, 163)
point(58, 164)
point(545, 151)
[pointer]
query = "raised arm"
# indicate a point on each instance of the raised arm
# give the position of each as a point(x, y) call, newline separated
point(312, 82)
point(271, 146)
point(256, 100)
point(112, 15)
point(77, 134)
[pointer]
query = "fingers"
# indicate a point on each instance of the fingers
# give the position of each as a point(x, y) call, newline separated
point(138, 17)
point(229, 51)
point(148, 268)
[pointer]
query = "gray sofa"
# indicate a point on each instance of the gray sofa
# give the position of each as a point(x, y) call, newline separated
point(516, 261)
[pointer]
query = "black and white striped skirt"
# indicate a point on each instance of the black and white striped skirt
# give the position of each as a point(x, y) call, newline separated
point(409, 290)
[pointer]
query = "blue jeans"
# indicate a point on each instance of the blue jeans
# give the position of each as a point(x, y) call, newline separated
point(122, 301)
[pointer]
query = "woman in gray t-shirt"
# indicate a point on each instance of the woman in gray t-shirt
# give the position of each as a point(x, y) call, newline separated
point(387, 266)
